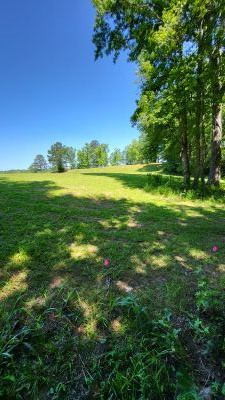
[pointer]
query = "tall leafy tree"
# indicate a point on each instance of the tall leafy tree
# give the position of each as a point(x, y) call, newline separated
point(57, 156)
point(179, 48)
point(94, 146)
point(133, 152)
point(101, 154)
point(84, 156)
point(207, 31)
point(216, 30)
point(116, 157)
point(71, 157)
point(166, 86)
point(133, 25)
point(39, 164)
point(93, 154)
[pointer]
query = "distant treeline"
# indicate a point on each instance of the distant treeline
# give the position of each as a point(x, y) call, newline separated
point(13, 171)
point(92, 155)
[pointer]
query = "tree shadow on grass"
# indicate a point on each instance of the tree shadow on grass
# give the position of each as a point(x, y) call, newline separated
point(153, 167)
point(52, 265)
point(166, 185)
point(133, 181)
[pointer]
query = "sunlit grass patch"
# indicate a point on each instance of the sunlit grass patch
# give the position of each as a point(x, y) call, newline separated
point(19, 258)
point(79, 251)
point(17, 283)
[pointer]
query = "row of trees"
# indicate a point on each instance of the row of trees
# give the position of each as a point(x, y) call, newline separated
point(179, 48)
point(93, 154)
point(60, 157)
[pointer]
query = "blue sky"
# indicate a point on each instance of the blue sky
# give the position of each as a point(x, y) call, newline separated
point(51, 89)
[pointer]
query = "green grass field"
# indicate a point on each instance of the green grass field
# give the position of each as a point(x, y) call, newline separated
point(148, 326)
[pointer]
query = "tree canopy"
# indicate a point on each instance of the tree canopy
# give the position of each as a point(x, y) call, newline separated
point(57, 156)
point(179, 47)
point(39, 164)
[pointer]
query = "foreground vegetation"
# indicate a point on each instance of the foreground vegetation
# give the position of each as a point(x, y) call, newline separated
point(148, 326)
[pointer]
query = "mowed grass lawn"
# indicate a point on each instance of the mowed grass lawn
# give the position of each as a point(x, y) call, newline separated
point(73, 328)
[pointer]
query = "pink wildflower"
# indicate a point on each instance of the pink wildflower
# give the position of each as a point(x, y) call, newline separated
point(106, 263)
point(215, 248)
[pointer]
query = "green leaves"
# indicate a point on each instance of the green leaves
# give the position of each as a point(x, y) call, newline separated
point(57, 156)
point(179, 49)
point(39, 164)
point(93, 154)
point(134, 152)
point(116, 157)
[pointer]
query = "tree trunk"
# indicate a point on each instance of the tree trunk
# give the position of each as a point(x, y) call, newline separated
point(199, 109)
point(216, 63)
point(184, 146)
point(198, 142)
point(182, 117)
point(215, 162)
point(203, 151)
point(215, 165)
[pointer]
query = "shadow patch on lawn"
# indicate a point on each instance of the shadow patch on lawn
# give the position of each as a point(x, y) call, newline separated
point(166, 185)
point(153, 167)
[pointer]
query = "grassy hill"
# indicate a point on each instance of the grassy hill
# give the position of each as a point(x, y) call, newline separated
point(148, 326)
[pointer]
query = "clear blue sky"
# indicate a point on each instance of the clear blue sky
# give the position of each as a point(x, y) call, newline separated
point(51, 89)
